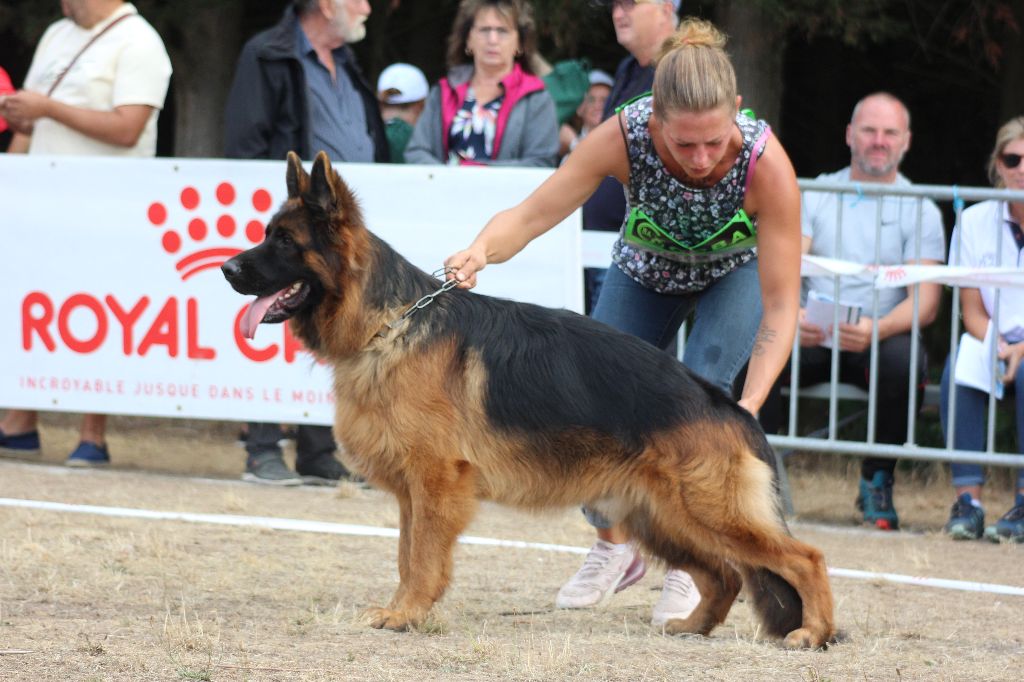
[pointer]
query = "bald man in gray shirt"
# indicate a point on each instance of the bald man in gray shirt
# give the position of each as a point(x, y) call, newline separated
point(878, 136)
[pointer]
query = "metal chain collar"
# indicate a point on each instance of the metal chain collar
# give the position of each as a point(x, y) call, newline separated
point(426, 300)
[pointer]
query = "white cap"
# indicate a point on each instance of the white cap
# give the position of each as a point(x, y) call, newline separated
point(406, 79)
point(599, 77)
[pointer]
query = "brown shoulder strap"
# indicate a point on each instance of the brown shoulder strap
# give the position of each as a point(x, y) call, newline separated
point(85, 47)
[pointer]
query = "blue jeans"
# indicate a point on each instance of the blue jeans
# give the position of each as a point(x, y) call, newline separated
point(725, 322)
point(971, 419)
point(593, 278)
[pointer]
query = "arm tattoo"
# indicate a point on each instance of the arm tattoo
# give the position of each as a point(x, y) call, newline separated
point(765, 335)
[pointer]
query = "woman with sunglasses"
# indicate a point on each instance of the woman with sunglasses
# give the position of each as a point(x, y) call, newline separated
point(989, 235)
point(704, 233)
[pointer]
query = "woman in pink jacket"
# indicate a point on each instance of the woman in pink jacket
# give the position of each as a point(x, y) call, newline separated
point(490, 109)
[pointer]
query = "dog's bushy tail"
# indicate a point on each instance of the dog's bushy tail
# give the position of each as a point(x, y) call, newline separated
point(776, 602)
point(766, 453)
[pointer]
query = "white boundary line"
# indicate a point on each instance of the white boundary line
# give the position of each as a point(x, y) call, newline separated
point(303, 525)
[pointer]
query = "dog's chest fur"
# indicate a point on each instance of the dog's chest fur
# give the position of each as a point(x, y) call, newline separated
point(393, 412)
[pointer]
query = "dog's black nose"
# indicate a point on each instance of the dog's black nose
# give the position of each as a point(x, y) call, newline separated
point(231, 269)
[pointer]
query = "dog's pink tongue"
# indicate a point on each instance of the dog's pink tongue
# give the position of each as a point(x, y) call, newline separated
point(255, 313)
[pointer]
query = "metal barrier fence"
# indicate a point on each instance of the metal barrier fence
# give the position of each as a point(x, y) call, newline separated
point(910, 449)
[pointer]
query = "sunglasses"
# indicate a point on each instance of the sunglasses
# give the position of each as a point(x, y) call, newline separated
point(1010, 160)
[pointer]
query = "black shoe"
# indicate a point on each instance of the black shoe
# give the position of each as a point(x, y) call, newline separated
point(322, 469)
point(268, 468)
point(1009, 528)
point(876, 500)
point(966, 520)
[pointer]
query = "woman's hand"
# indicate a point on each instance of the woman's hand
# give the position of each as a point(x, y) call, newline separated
point(463, 265)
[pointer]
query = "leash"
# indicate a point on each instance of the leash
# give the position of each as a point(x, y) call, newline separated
point(423, 302)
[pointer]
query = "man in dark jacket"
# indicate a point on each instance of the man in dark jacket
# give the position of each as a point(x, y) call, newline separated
point(297, 87)
point(272, 107)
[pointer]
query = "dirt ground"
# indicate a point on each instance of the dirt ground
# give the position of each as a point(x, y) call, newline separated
point(89, 597)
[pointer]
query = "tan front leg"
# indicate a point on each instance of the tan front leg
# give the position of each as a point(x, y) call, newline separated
point(404, 533)
point(440, 509)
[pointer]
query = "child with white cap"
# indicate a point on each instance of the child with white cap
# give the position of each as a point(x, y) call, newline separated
point(589, 114)
point(402, 90)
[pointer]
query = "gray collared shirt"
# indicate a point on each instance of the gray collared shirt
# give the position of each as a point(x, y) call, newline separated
point(336, 114)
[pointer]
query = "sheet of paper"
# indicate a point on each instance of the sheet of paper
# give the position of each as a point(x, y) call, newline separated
point(974, 363)
point(820, 311)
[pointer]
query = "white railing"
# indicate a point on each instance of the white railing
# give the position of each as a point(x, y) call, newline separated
point(955, 277)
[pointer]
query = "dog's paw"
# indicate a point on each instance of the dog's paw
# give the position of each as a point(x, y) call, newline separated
point(687, 626)
point(388, 618)
point(802, 638)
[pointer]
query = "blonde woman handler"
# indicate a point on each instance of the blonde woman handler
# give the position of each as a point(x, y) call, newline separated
point(705, 233)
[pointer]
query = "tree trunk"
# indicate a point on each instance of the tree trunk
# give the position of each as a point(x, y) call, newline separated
point(1012, 100)
point(203, 49)
point(756, 45)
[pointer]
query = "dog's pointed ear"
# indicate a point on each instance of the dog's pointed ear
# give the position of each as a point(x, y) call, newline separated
point(322, 191)
point(297, 179)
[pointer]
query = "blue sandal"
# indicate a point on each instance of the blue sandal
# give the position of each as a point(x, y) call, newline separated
point(88, 454)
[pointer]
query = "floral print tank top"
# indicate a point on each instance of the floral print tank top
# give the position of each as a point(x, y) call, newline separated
point(474, 129)
point(685, 215)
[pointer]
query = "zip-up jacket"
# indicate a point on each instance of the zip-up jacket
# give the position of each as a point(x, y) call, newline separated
point(527, 126)
point(267, 114)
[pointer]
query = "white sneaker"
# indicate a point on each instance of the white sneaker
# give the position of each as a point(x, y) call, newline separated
point(606, 570)
point(679, 598)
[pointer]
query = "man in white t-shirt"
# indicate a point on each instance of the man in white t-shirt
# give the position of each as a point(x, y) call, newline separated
point(105, 104)
point(878, 136)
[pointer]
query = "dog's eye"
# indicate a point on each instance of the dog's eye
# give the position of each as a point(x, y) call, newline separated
point(284, 238)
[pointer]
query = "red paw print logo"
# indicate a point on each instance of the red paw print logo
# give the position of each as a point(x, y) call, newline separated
point(192, 236)
point(895, 274)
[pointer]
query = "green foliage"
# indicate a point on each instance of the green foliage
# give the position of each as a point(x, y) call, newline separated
point(566, 27)
point(853, 23)
point(981, 31)
point(977, 32)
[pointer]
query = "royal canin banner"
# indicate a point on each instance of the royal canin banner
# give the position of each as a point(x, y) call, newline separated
point(113, 300)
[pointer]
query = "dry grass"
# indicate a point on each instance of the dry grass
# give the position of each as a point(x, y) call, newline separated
point(97, 598)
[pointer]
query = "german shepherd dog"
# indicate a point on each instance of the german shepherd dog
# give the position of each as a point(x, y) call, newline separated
point(478, 398)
